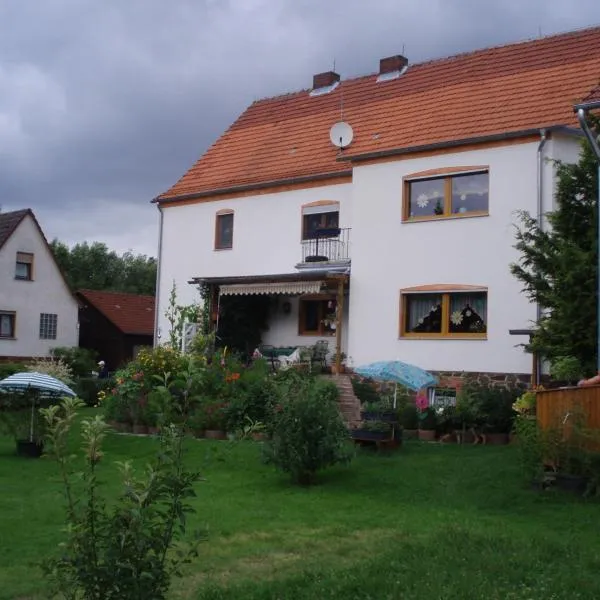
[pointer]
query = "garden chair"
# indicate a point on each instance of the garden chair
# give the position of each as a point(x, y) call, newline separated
point(268, 353)
point(320, 352)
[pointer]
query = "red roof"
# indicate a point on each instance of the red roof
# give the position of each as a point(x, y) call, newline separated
point(10, 221)
point(131, 313)
point(509, 89)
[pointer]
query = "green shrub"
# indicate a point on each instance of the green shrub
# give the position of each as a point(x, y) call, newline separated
point(487, 406)
point(81, 361)
point(125, 548)
point(8, 369)
point(88, 388)
point(365, 391)
point(409, 417)
point(307, 431)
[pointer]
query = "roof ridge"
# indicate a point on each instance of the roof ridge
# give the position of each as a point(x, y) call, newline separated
point(448, 57)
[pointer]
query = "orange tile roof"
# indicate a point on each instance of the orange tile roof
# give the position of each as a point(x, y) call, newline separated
point(131, 313)
point(495, 91)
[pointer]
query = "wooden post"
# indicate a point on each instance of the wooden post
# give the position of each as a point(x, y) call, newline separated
point(339, 313)
point(534, 371)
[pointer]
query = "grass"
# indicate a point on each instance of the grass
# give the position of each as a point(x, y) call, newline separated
point(429, 521)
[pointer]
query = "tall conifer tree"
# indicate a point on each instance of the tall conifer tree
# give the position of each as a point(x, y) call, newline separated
point(559, 263)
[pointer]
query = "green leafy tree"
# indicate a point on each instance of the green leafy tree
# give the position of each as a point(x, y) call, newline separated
point(93, 266)
point(307, 431)
point(558, 265)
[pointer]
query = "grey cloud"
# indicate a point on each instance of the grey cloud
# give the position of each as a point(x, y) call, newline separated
point(106, 103)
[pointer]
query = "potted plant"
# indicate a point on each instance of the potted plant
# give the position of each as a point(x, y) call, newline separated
point(374, 431)
point(20, 418)
point(334, 367)
point(215, 419)
point(427, 424)
point(380, 410)
point(497, 414)
point(409, 419)
point(566, 369)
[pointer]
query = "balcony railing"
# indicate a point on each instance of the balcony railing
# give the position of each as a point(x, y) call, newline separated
point(327, 245)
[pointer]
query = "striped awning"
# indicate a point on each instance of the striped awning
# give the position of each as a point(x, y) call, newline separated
point(286, 288)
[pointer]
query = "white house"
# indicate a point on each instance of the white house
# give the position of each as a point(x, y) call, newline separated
point(409, 226)
point(37, 310)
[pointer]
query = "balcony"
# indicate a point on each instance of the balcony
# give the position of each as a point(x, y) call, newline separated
point(326, 246)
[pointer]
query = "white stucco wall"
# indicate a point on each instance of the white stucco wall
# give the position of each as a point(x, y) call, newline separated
point(389, 255)
point(565, 149)
point(47, 293)
point(266, 239)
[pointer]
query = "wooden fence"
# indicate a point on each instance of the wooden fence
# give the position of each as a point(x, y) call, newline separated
point(553, 407)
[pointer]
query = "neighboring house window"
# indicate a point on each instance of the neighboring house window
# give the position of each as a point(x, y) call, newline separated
point(453, 194)
point(444, 314)
point(320, 218)
point(317, 316)
point(7, 324)
point(24, 266)
point(48, 324)
point(224, 230)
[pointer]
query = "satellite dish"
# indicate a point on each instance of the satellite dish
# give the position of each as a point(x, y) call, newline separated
point(341, 135)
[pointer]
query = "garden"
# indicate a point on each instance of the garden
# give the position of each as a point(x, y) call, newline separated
point(200, 476)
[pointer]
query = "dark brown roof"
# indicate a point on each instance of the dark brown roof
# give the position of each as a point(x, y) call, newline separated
point(9, 221)
point(502, 91)
point(131, 313)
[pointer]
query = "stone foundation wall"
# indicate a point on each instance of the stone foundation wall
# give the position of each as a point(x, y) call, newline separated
point(455, 380)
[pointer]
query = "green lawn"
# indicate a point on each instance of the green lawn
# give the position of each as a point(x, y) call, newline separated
point(429, 521)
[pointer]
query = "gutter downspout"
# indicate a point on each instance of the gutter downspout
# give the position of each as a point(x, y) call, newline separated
point(540, 221)
point(158, 265)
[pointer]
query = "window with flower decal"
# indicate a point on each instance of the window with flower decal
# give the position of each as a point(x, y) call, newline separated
point(463, 192)
point(317, 316)
point(450, 314)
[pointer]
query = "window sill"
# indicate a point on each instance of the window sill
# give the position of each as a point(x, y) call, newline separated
point(221, 249)
point(8, 339)
point(435, 336)
point(23, 279)
point(471, 215)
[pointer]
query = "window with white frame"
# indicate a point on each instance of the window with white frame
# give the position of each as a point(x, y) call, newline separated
point(48, 326)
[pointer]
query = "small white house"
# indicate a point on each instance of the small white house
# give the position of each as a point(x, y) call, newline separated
point(407, 231)
point(37, 309)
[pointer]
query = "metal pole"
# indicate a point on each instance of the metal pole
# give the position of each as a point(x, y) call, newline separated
point(582, 111)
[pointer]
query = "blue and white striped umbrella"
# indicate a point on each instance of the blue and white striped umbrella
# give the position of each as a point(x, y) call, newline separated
point(36, 381)
point(400, 372)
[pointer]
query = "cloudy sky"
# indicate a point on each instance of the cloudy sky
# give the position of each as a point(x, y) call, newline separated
point(105, 103)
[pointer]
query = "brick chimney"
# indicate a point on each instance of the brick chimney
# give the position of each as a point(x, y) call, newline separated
point(392, 64)
point(322, 80)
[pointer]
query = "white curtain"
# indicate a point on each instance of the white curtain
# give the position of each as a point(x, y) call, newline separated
point(420, 306)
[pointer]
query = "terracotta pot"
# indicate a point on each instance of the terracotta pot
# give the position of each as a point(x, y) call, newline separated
point(259, 437)
point(410, 434)
point(215, 434)
point(496, 439)
point(139, 429)
point(427, 435)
